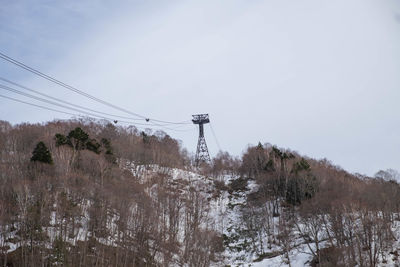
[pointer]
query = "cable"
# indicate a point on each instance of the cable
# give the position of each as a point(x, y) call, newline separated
point(215, 137)
point(70, 108)
point(56, 104)
point(71, 88)
point(183, 130)
point(39, 106)
point(60, 111)
point(62, 101)
point(88, 114)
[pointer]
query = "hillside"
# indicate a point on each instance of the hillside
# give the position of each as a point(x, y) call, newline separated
point(88, 193)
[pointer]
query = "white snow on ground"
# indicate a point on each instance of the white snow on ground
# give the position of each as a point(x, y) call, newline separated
point(223, 213)
point(7, 237)
point(297, 259)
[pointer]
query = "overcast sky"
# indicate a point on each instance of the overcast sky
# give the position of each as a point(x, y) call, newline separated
point(318, 77)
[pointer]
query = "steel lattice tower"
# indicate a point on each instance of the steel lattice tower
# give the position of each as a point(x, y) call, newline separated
point(202, 154)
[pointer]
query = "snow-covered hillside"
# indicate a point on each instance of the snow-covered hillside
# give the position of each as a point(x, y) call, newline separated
point(224, 214)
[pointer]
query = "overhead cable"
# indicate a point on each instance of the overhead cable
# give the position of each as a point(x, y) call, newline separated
point(215, 137)
point(74, 114)
point(63, 101)
point(71, 88)
point(4, 87)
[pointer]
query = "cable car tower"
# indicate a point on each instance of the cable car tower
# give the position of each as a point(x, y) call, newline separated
point(202, 154)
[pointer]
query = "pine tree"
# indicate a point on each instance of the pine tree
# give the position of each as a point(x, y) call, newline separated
point(42, 154)
point(62, 140)
point(78, 138)
point(109, 151)
point(93, 145)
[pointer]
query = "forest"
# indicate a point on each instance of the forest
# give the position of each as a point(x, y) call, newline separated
point(82, 192)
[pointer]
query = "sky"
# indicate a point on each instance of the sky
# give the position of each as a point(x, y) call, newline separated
point(318, 77)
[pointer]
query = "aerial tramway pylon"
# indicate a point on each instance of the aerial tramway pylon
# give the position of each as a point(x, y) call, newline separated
point(202, 155)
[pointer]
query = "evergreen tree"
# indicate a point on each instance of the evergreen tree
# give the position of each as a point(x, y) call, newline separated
point(109, 154)
point(42, 154)
point(78, 138)
point(302, 184)
point(62, 140)
point(107, 144)
point(93, 145)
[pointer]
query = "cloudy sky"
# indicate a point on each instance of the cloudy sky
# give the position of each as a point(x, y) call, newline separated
point(319, 77)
